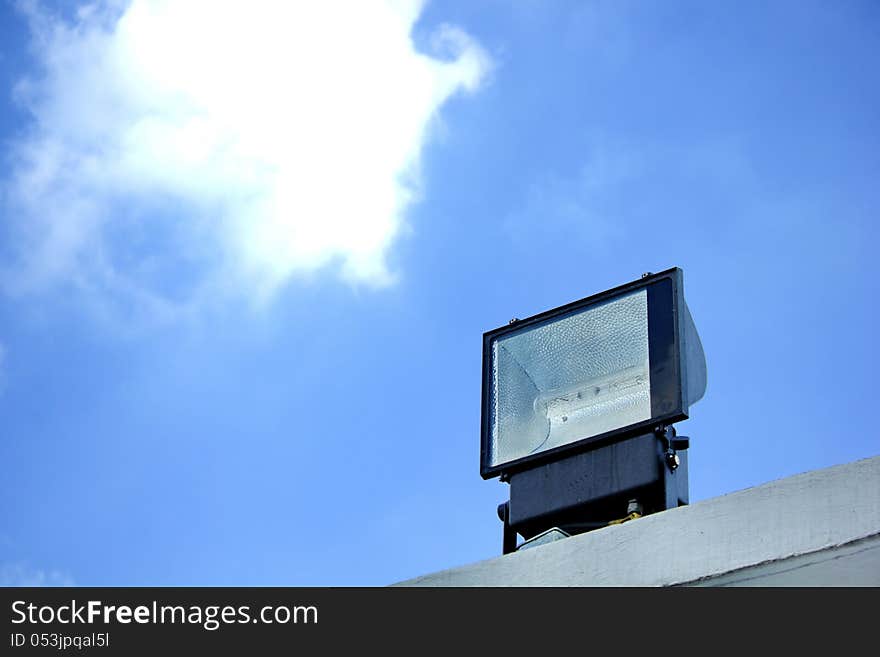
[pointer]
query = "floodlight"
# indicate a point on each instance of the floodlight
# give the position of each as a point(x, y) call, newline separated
point(609, 368)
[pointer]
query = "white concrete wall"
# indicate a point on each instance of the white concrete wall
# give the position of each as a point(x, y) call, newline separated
point(820, 528)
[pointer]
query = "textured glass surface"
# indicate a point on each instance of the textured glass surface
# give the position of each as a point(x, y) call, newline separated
point(569, 378)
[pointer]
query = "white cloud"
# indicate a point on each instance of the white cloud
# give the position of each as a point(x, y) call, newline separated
point(576, 208)
point(177, 147)
point(21, 574)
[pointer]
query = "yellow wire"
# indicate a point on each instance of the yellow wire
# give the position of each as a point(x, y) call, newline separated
point(631, 516)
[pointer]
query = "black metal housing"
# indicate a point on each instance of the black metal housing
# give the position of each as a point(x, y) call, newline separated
point(665, 299)
point(587, 490)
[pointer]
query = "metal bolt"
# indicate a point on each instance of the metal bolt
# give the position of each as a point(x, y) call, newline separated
point(633, 506)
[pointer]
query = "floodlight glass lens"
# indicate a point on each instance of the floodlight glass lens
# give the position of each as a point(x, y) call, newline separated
point(569, 378)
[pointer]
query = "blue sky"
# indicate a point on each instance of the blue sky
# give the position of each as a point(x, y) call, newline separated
point(246, 260)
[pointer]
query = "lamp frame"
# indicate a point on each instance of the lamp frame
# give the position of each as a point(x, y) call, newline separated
point(668, 376)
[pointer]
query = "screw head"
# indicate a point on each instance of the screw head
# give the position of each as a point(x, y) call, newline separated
point(633, 506)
